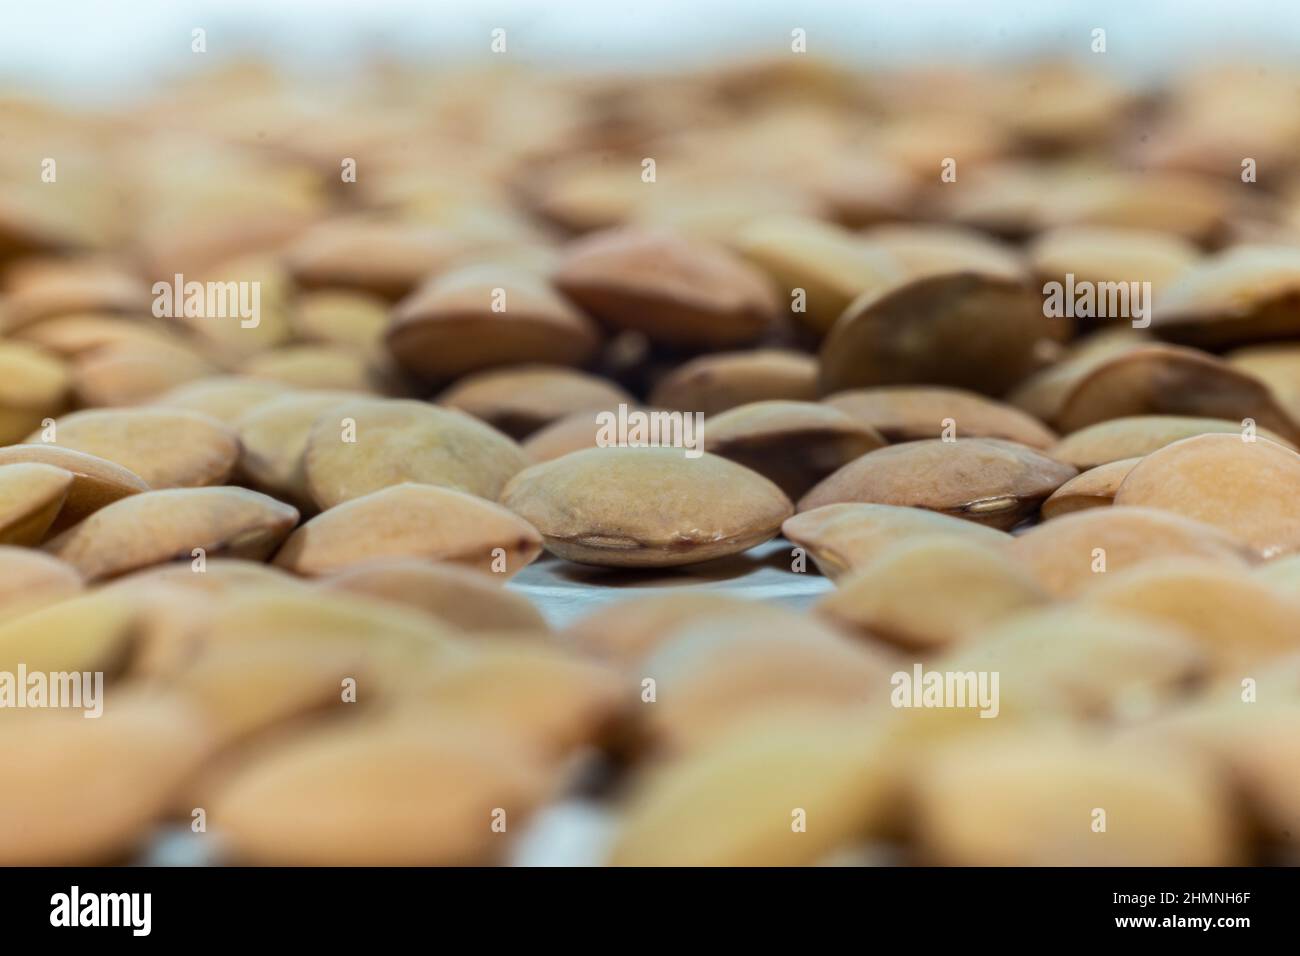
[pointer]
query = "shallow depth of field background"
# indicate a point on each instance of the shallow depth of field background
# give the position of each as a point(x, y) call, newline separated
point(87, 48)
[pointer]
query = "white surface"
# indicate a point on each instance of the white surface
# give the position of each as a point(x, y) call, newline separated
point(572, 833)
point(564, 591)
point(91, 49)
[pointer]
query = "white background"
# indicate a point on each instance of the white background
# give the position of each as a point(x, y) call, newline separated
point(101, 48)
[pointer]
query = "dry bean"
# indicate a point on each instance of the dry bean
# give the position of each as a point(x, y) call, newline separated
point(932, 592)
point(519, 401)
point(339, 367)
point(166, 448)
point(134, 373)
point(403, 764)
point(1072, 553)
point(842, 538)
point(537, 695)
point(412, 520)
point(910, 413)
point(1170, 380)
point(1135, 436)
point(31, 495)
point(741, 803)
point(646, 507)
point(626, 631)
point(1040, 794)
point(462, 597)
point(1243, 295)
point(225, 397)
point(273, 438)
point(1105, 254)
point(1084, 663)
point(96, 482)
point(157, 526)
point(1094, 488)
point(713, 670)
point(678, 291)
point(97, 787)
point(34, 385)
point(830, 265)
point(383, 259)
point(404, 441)
point(30, 580)
point(977, 330)
point(994, 482)
point(1237, 620)
point(792, 444)
point(487, 316)
point(716, 383)
point(1245, 488)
